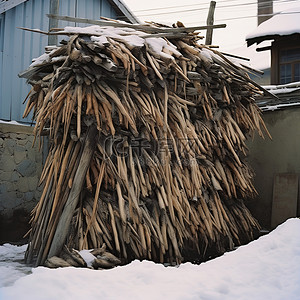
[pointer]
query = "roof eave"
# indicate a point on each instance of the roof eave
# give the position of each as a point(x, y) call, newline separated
point(259, 39)
point(123, 9)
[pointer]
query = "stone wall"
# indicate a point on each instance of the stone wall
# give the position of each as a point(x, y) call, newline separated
point(20, 169)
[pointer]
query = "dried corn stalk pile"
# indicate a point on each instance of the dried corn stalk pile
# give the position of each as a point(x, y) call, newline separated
point(165, 122)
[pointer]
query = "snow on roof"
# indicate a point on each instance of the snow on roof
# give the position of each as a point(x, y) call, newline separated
point(288, 96)
point(279, 106)
point(283, 88)
point(285, 23)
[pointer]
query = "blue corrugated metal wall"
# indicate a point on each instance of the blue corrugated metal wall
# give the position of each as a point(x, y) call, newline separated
point(19, 47)
point(85, 9)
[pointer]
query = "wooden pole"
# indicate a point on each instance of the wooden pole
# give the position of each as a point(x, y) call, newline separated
point(53, 23)
point(70, 206)
point(134, 26)
point(210, 22)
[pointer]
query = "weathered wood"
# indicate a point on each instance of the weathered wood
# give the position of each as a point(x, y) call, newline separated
point(210, 22)
point(53, 23)
point(62, 229)
point(135, 26)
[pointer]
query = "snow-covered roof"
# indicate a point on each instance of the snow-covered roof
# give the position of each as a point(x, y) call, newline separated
point(288, 95)
point(285, 23)
point(283, 88)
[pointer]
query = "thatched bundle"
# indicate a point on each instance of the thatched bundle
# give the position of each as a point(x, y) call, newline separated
point(147, 146)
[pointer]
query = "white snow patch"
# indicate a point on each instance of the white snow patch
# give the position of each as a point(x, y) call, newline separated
point(87, 256)
point(279, 106)
point(157, 45)
point(132, 38)
point(267, 268)
point(13, 123)
point(45, 57)
point(11, 264)
point(100, 40)
point(100, 34)
point(207, 54)
point(283, 90)
point(295, 84)
point(285, 23)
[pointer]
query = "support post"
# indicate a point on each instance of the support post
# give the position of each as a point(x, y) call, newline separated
point(209, 22)
point(53, 23)
point(65, 219)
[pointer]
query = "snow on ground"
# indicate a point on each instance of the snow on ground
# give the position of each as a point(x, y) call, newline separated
point(11, 266)
point(267, 268)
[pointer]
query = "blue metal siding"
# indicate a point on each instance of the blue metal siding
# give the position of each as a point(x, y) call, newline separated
point(107, 10)
point(20, 47)
point(88, 8)
point(91, 9)
point(67, 8)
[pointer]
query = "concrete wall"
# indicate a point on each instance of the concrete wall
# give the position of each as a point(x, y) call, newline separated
point(20, 169)
point(279, 155)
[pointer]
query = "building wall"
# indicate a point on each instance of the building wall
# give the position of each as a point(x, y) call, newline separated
point(268, 157)
point(20, 164)
point(20, 169)
point(19, 47)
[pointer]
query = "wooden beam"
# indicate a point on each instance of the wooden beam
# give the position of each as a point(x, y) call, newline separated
point(63, 226)
point(53, 23)
point(263, 49)
point(235, 56)
point(134, 26)
point(210, 22)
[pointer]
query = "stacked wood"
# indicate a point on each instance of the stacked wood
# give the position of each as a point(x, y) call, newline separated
point(147, 146)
